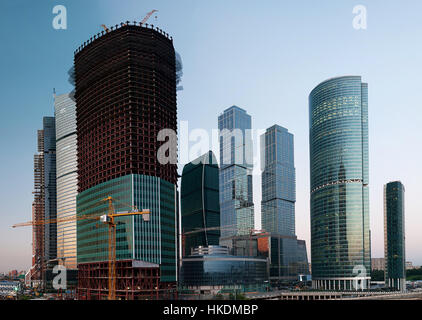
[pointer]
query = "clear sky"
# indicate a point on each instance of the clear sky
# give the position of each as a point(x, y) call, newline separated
point(264, 56)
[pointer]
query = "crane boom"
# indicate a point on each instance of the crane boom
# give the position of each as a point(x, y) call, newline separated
point(148, 16)
point(107, 219)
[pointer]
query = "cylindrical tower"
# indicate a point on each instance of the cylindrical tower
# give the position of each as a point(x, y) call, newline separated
point(125, 93)
point(340, 235)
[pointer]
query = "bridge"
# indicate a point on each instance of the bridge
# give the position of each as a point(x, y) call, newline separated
point(335, 295)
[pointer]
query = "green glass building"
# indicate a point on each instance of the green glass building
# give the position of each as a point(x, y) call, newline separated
point(394, 234)
point(150, 241)
point(340, 235)
point(200, 205)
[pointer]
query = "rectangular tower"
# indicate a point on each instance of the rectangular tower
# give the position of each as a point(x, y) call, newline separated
point(394, 236)
point(278, 181)
point(236, 164)
point(50, 230)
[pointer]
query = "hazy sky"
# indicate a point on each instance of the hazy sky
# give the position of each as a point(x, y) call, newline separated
point(264, 56)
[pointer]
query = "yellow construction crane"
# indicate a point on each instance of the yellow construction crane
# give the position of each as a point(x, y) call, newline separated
point(108, 219)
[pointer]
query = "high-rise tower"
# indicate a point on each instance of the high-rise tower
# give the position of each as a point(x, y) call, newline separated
point(236, 203)
point(200, 205)
point(394, 236)
point(44, 240)
point(340, 235)
point(278, 181)
point(67, 178)
point(125, 94)
point(288, 254)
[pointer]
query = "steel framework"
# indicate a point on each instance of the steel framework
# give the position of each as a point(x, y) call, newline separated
point(132, 283)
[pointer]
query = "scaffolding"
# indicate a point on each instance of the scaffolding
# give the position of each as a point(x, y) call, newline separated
point(135, 280)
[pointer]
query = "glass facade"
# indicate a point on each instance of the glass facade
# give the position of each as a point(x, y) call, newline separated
point(288, 258)
point(394, 234)
point(67, 178)
point(151, 241)
point(200, 203)
point(278, 181)
point(213, 267)
point(236, 204)
point(50, 189)
point(340, 235)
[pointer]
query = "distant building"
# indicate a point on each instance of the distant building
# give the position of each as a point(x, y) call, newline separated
point(410, 266)
point(200, 207)
point(378, 264)
point(236, 201)
point(44, 236)
point(339, 184)
point(394, 236)
point(50, 187)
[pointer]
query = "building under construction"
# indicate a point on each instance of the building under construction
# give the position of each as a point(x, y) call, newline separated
point(125, 94)
point(44, 236)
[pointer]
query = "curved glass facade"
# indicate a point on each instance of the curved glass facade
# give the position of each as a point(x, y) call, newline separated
point(218, 268)
point(200, 205)
point(67, 178)
point(340, 235)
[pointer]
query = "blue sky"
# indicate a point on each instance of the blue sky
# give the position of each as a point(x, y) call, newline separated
point(264, 56)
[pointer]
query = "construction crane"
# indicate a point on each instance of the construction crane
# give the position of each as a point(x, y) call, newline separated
point(105, 28)
point(108, 219)
point(148, 16)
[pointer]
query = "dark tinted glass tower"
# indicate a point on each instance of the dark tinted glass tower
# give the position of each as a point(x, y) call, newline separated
point(340, 238)
point(50, 235)
point(200, 203)
point(394, 234)
point(125, 94)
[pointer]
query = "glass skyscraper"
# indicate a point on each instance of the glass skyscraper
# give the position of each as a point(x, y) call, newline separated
point(278, 181)
point(67, 178)
point(340, 235)
point(288, 255)
point(50, 229)
point(236, 164)
point(200, 205)
point(394, 234)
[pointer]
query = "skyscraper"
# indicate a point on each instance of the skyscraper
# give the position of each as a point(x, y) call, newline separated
point(44, 205)
point(288, 255)
point(200, 203)
point(67, 178)
point(236, 204)
point(125, 94)
point(50, 230)
point(340, 235)
point(278, 181)
point(394, 236)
